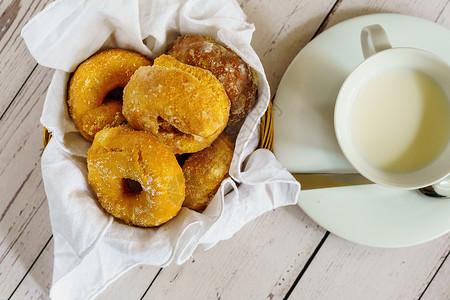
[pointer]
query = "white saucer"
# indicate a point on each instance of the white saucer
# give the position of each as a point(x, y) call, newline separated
point(304, 138)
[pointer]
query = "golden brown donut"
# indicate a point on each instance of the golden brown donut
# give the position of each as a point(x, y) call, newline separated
point(238, 79)
point(204, 171)
point(136, 177)
point(92, 81)
point(184, 106)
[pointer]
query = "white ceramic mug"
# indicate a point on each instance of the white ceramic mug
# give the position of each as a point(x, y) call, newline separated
point(392, 115)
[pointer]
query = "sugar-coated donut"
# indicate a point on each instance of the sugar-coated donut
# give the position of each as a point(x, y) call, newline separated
point(184, 106)
point(204, 171)
point(92, 81)
point(121, 155)
point(238, 79)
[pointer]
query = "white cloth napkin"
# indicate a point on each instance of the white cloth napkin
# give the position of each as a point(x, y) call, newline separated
point(91, 249)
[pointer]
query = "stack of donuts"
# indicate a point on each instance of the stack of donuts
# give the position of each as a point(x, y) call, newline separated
point(157, 127)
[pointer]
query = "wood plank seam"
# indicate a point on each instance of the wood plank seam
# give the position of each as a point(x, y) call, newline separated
point(21, 232)
point(319, 30)
point(442, 10)
point(325, 21)
point(151, 283)
point(18, 92)
point(434, 275)
point(15, 195)
point(305, 267)
point(26, 274)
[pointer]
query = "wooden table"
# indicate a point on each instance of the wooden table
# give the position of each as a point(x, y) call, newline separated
point(282, 254)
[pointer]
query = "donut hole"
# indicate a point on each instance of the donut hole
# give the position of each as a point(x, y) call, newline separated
point(114, 94)
point(131, 186)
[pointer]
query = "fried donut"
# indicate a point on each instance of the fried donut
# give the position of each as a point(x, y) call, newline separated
point(136, 177)
point(238, 79)
point(92, 81)
point(204, 171)
point(184, 106)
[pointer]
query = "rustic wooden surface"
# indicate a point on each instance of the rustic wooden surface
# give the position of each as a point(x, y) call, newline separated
point(282, 254)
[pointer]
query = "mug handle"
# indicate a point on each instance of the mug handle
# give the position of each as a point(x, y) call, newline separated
point(374, 39)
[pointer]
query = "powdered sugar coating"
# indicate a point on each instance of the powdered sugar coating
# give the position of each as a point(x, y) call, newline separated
point(205, 170)
point(121, 153)
point(185, 107)
point(237, 78)
point(92, 81)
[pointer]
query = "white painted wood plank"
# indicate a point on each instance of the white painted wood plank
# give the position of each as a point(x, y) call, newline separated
point(132, 285)
point(24, 221)
point(283, 28)
point(346, 9)
point(444, 17)
point(344, 270)
point(229, 267)
point(23, 234)
point(21, 135)
point(36, 284)
point(15, 61)
point(261, 261)
point(439, 288)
